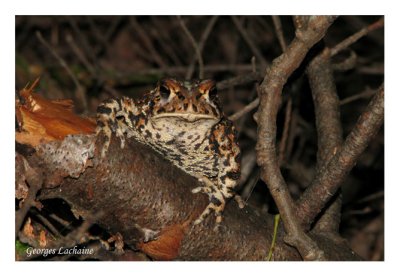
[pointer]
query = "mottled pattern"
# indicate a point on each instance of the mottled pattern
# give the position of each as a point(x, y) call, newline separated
point(184, 122)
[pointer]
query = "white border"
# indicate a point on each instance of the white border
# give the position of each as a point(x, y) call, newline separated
point(9, 9)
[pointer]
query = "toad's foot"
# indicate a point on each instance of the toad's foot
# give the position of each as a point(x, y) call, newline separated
point(216, 205)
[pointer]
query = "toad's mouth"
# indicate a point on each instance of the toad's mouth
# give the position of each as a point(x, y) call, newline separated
point(186, 116)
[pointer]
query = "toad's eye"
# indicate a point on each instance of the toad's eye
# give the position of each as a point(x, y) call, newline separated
point(212, 93)
point(164, 92)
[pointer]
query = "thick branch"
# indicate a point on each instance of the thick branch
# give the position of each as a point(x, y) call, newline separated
point(329, 129)
point(137, 193)
point(326, 105)
point(142, 196)
point(328, 180)
point(270, 97)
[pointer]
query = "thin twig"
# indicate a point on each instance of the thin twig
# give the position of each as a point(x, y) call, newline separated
point(195, 46)
point(147, 42)
point(251, 106)
point(374, 69)
point(249, 162)
point(239, 80)
point(59, 220)
point(47, 224)
point(80, 95)
point(249, 41)
point(253, 64)
point(212, 68)
point(82, 38)
point(371, 197)
point(201, 44)
point(110, 31)
point(347, 64)
point(279, 32)
point(165, 40)
point(355, 37)
point(104, 37)
point(365, 94)
point(75, 237)
point(35, 180)
point(81, 56)
point(254, 76)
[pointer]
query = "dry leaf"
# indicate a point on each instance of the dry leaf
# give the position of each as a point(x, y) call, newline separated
point(43, 120)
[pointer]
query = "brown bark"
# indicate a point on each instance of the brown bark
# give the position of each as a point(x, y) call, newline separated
point(135, 192)
point(308, 33)
point(328, 180)
point(329, 129)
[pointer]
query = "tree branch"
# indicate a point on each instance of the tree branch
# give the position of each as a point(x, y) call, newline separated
point(329, 128)
point(143, 196)
point(329, 179)
point(270, 97)
point(326, 105)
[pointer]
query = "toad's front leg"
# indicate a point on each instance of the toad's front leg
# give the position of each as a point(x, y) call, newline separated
point(224, 144)
point(215, 196)
point(113, 116)
point(218, 195)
